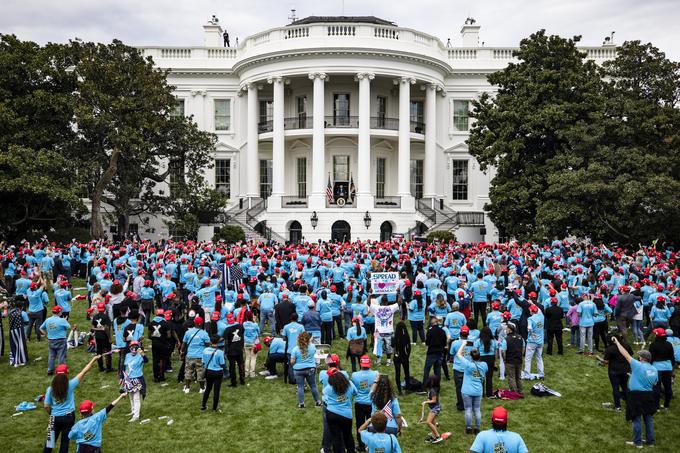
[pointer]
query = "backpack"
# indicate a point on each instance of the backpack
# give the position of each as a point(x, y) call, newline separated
point(414, 385)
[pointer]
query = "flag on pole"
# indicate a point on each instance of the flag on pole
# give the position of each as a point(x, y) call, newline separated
point(352, 188)
point(329, 189)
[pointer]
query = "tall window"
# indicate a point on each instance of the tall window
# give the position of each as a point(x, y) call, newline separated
point(382, 111)
point(417, 111)
point(302, 111)
point(223, 176)
point(265, 178)
point(341, 168)
point(133, 228)
point(460, 179)
point(417, 178)
point(266, 111)
point(380, 178)
point(178, 110)
point(302, 177)
point(341, 109)
point(461, 115)
point(222, 114)
point(176, 176)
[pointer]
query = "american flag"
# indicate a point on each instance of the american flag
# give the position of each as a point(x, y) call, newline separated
point(231, 275)
point(387, 410)
point(352, 189)
point(329, 190)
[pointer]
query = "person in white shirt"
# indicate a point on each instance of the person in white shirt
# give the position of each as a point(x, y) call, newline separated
point(384, 323)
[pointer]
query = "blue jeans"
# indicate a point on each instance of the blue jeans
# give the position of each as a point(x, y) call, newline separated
point(472, 403)
point(637, 330)
point(309, 375)
point(267, 315)
point(432, 360)
point(637, 429)
point(57, 348)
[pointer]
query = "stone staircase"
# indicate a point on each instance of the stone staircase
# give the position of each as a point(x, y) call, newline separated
point(248, 220)
point(439, 217)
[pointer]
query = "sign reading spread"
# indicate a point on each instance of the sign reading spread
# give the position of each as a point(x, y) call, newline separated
point(385, 282)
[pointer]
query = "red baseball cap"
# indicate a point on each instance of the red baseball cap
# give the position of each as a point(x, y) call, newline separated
point(332, 359)
point(101, 306)
point(230, 318)
point(533, 308)
point(160, 312)
point(506, 315)
point(86, 407)
point(57, 309)
point(465, 329)
point(61, 369)
point(215, 316)
point(659, 332)
point(198, 321)
point(495, 306)
point(499, 415)
point(553, 300)
point(365, 361)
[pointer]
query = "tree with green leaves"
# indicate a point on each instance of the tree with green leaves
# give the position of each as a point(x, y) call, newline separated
point(37, 189)
point(578, 149)
point(128, 138)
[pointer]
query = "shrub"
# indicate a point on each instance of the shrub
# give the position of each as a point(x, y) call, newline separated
point(229, 234)
point(441, 236)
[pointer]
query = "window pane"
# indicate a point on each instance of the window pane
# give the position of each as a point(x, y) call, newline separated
point(340, 168)
point(223, 176)
point(176, 176)
point(417, 111)
point(302, 177)
point(380, 178)
point(341, 109)
point(417, 178)
point(461, 113)
point(222, 114)
point(460, 179)
point(265, 178)
point(178, 111)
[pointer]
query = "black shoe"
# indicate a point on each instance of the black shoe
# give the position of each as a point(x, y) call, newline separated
point(233, 385)
point(475, 431)
point(468, 430)
point(204, 408)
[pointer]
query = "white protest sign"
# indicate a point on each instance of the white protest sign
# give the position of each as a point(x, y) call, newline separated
point(385, 282)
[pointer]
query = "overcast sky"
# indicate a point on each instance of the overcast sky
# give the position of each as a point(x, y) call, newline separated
point(504, 22)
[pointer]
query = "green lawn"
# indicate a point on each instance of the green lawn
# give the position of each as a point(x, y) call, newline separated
point(264, 417)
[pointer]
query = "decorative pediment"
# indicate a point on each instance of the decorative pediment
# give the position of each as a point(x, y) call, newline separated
point(384, 144)
point(458, 148)
point(221, 146)
point(300, 145)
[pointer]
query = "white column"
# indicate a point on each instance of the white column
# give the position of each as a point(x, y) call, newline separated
point(404, 162)
point(252, 150)
point(430, 170)
point(317, 197)
point(278, 144)
point(363, 181)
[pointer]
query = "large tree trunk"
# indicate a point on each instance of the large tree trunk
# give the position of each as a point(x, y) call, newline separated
point(123, 224)
point(96, 227)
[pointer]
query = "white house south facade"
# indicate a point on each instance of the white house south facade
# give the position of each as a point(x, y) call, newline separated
point(341, 127)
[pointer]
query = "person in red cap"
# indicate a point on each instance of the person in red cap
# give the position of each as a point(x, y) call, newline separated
point(37, 301)
point(498, 438)
point(56, 329)
point(363, 380)
point(553, 325)
point(663, 359)
point(101, 329)
point(60, 405)
point(194, 341)
point(87, 433)
point(234, 336)
point(160, 335)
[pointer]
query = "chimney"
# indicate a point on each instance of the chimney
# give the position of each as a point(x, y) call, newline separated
point(212, 33)
point(470, 33)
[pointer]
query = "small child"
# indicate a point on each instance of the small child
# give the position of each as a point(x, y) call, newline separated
point(432, 387)
point(133, 378)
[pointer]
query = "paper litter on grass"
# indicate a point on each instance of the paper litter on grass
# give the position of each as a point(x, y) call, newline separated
point(37, 359)
point(162, 417)
point(145, 421)
point(105, 386)
point(18, 413)
point(164, 384)
point(170, 422)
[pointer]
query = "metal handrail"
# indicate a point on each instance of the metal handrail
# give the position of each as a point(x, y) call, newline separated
point(381, 122)
point(418, 127)
point(298, 122)
point(424, 208)
point(341, 121)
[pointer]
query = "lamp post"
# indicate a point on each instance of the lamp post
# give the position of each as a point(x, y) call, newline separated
point(367, 220)
point(314, 219)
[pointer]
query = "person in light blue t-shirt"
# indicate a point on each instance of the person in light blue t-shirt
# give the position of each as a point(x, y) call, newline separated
point(56, 328)
point(304, 368)
point(133, 381)
point(87, 433)
point(213, 363)
point(60, 404)
point(640, 403)
point(498, 439)
point(378, 441)
point(586, 311)
point(474, 371)
point(363, 380)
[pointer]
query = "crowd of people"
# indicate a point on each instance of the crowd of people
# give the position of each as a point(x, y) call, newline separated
point(211, 308)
